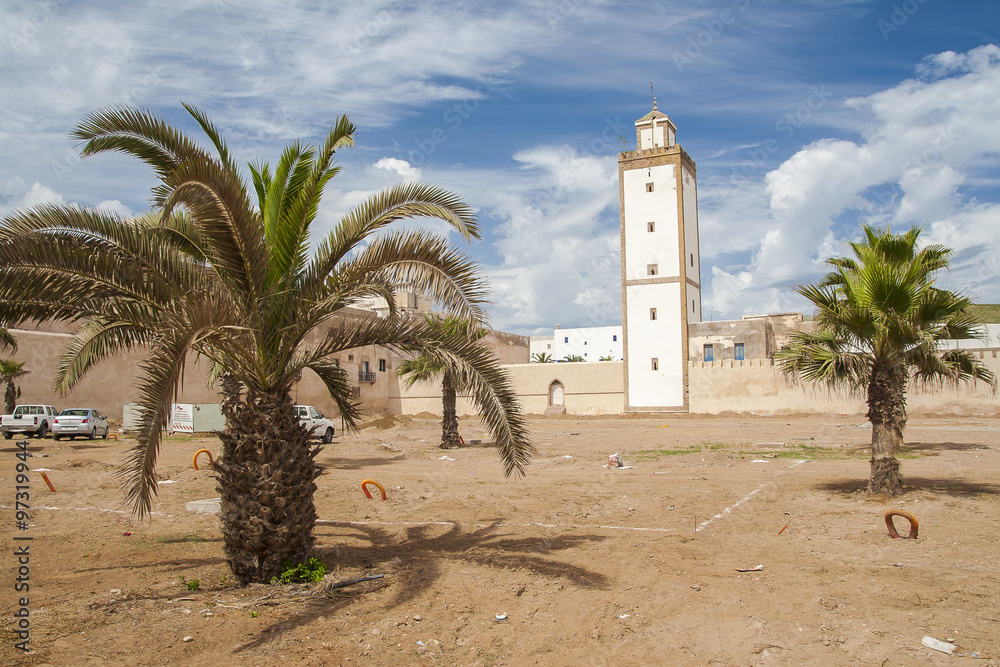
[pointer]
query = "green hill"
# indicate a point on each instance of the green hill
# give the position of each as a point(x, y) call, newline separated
point(987, 313)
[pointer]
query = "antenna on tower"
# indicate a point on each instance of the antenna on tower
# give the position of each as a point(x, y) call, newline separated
point(652, 100)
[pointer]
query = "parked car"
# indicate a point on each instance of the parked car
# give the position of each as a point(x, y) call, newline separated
point(80, 421)
point(29, 420)
point(318, 425)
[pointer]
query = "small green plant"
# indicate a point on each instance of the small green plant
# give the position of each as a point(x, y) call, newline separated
point(313, 570)
point(193, 585)
point(253, 614)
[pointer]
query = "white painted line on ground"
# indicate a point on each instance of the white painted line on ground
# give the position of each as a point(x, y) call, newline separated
point(729, 509)
point(797, 463)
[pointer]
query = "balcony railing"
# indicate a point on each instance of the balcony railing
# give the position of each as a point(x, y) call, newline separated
point(366, 377)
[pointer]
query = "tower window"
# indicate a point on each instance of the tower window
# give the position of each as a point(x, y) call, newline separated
point(651, 269)
point(709, 353)
point(649, 187)
point(692, 259)
point(652, 313)
point(655, 364)
point(738, 352)
point(692, 305)
point(614, 337)
point(566, 339)
point(650, 226)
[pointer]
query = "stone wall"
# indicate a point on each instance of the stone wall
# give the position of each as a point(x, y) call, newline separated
point(589, 388)
point(756, 386)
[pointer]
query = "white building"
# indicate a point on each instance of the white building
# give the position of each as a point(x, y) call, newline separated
point(539, 345)
point(589, 343)
point(661, 267)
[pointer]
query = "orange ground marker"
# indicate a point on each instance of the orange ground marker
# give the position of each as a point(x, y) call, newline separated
point(46, 478)
point(906, 515)
point(211, 461)
point(364, 487)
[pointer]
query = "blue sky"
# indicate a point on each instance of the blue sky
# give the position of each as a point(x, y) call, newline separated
point(805, 118)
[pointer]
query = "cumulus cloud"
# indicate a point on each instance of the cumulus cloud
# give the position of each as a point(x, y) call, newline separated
point(400, 168)
point(926, 145)
point(18, 198)
point(558, 242)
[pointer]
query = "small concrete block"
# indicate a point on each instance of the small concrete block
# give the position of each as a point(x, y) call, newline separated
point(207, 506)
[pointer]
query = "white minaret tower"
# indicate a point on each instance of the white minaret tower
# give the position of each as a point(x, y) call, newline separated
point(661, 268)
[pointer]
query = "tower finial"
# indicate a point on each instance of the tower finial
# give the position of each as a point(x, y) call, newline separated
point(654, 105)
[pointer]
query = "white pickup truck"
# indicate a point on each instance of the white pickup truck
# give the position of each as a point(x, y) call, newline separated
point(318, 425)
point(28, 420)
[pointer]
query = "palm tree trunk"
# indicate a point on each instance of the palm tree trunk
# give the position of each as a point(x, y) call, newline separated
point(886, 412)
point(266, 480)
point(231, 392)
point(10, 397)
point(449, 418)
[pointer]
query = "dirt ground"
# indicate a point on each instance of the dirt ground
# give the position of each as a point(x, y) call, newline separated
point(573, 564)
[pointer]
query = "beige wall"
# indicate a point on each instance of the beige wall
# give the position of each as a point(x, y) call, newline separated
point(751, 386)
point(106, 387)
point(112, 383)
point(589, 388)
point(757, 386)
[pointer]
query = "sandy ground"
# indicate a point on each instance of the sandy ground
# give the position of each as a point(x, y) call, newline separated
point(573, 564)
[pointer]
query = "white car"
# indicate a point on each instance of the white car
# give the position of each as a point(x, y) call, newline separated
point(80, 421)
point(318, 425)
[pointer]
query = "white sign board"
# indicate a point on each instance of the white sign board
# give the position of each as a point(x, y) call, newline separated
point(182, 419)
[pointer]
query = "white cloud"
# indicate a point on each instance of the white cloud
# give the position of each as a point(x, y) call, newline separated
point(114, 207)
point(19, 198)
point(558, 239)
point(399, 167)
point(925, 140)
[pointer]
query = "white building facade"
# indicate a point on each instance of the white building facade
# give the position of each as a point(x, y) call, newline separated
point(661, 266)
point(590, 343)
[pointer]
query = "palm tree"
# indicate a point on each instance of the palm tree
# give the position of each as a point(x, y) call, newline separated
point(541, 358)
point(880, 321)
point(258, 305)
point(572, 358)
point(428, 366)
point(607, 357)
point(7, 340)
point(11, 370)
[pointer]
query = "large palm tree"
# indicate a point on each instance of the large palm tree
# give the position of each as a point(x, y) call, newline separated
point(429, 366)
point(10, 371)
point(233, 280)
point(880, 322)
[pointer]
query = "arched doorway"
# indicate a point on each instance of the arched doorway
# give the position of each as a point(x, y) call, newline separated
point(556, 393)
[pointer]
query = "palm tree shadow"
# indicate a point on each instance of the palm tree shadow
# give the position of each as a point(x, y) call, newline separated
point(425, 552)
point(948, 487)
point(347, 463)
